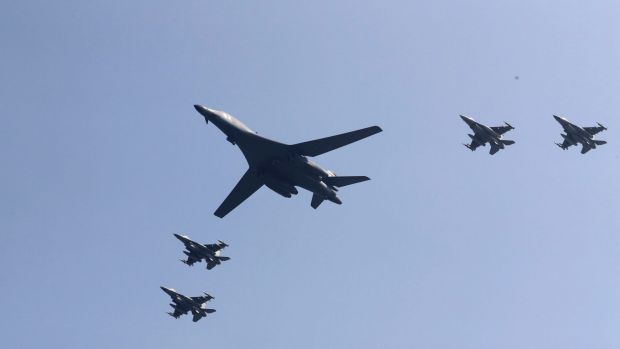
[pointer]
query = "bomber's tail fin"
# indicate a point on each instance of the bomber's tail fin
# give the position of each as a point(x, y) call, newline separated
point(316, 201)
point(341, 181)
point(507, 142)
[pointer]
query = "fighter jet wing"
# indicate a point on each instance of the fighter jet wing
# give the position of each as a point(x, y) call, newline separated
point(191, 260)
point(473, 145)
point(594, 130)
point(202, 299)
point(177, 312)
point(213, 247)
point(565, 145)
point(501, 129)
point(247, 185)
point(324, 145)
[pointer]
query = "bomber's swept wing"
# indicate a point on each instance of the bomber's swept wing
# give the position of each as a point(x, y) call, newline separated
point(595, 130)
point(502, 129)
point(324, 145)
point(247, 185)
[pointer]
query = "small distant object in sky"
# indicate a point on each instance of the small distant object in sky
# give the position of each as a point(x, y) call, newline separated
point(484, 134)
point(516, 77)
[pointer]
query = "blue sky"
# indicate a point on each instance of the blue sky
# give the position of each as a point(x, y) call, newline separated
point(104, 158)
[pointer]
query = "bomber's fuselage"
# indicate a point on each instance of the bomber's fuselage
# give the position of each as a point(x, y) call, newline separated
point(280, 169)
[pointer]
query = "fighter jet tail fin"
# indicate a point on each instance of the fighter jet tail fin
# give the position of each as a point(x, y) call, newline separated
point(507, 142)
point(341, 181)
point(198, 316)
point(316, 201)
point(324, 145)
point(599, 142)
point(494, 149)
point(223, 259)
point(585, 149)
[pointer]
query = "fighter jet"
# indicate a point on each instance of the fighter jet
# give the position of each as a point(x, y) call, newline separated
point(282, 167)
point(575, 134)
point(182, 304)
point(196, 252)
point(485, 134)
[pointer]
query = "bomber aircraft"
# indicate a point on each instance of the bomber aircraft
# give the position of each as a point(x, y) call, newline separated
point(575, 134)
point(484, 134)
point(196, 252)
point(183, 304)
point(282, 167)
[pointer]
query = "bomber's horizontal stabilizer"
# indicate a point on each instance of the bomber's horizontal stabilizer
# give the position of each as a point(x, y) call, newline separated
point(324, 145)
point(507, 142)
point(599, 142)
point(341, 181)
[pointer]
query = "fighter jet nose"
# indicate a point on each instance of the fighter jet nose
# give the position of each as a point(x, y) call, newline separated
point(199, 108)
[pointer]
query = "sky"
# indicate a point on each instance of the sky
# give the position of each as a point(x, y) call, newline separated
point(104, 158)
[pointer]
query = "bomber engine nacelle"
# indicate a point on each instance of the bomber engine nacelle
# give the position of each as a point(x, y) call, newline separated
point(282, 188)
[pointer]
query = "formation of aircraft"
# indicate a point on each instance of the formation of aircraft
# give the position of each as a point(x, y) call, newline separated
point(197, 252)
point(183, 304)
point(493, 135)
point(579, 135)
point(282, 167)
